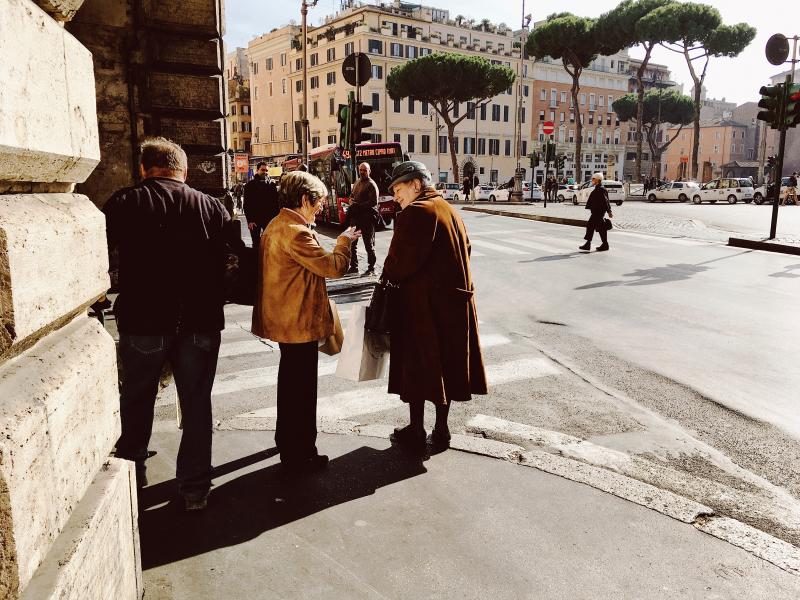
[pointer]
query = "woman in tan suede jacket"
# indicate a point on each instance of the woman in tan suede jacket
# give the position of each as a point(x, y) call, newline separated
point(292, 308)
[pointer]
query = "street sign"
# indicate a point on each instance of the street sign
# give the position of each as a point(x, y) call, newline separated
point(777, 49)
point(548, 127)
point(685, 160)
point(241, 163)
point(357, 69)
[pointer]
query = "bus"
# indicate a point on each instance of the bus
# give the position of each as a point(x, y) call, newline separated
point(332, 165)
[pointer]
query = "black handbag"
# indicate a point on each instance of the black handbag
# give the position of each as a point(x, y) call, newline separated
point(380, 310)
point(608, 224)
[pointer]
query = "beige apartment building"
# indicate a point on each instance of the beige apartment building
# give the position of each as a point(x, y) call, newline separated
point(237, 117)
point(722, 141)
point(390, 35)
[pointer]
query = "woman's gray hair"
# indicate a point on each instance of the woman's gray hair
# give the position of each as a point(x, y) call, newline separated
point(599, 176)
point(296, 184)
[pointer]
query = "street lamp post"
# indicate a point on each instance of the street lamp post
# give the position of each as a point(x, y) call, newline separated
point(304, 12)
point(516, 194)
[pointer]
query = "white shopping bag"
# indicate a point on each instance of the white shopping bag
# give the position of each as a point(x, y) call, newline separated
point(364, 356)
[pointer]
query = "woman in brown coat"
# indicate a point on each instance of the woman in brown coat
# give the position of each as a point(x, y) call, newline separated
point(292, 308)
point(435, 353)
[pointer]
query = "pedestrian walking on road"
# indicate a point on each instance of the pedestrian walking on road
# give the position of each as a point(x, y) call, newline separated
point(170, 243)
point(363, 215)
point(434, 347)
point(466, 187)
point(599, 205)
point(261, 203)
point(292, 308)
point(791, 190)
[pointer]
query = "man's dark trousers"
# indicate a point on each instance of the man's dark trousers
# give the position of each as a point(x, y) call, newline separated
point(255, 235)
point(596, 224)
point(296, 426)
point(366, 225)
point(193, 358)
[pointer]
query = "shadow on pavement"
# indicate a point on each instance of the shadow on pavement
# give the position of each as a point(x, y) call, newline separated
point(243, 508)
point(787, 272)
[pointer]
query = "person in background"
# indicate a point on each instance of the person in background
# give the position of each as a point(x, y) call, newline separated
point(261, 203)
point(170, 241)
point(291, 308)
point(466, 187)
point(599, 205)
point(434, 346)
point(791, 190)
point(363, 213)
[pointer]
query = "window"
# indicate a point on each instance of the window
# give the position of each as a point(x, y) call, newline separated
point(233, 127)
point(315, 141)
point(315, 109)
point(331, 78)
point(543, 94)
point(442, 144)
point(376, 101)
point(255, 68)
point(331, 106)
point(300, 110)
point(469, 145)
point(285, 131)
point(591, 102)
point(552, 115)
point(505, 114)
point(424, 51)
point(272, 133)
point(298, 64)
point(377, 71)
point(494, 147)
point(424, 108)
point(314, 59)
point(411, 52)
point(553, 97)
point(561, 117)
point(283, 59)
point(522, 116)
point(375, 46)
point(411, 143)
point(314, 82)
point(563, 96)
point(397, 106)
point(255, 92)
point(508, 147)
point(481, 146)
point(349, 48)
point(270, 88)
point(591, 118)
point(525, 89)
point(541, 115)
point(456, 109)
point(601, 99)
point(233, 109)
point(283, 87)
point(376, 138)
point(610, 102)
point(495, 112)
point(332, 139)
point(331, 54)
point(455, 144)
point(470, 110)
point(246, 109)
point(396, 50)
point(483, 112)
point(410, 105)
point(426, 144)
point(258, 130)
point(397, 138)
point(298, 85)
point(269, 64)
point(583, 99)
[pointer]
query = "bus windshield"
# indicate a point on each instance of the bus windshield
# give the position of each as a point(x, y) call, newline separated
point(381, 159)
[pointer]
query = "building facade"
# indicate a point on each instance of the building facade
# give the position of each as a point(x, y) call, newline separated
point(722, 141)
point(238, 123)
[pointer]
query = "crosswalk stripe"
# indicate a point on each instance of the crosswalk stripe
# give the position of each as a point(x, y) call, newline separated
point(498, 232)
point(253, 346)
point(490, 340)
point(681, 241)
point(261, 377)
point(534, 245)
point(497, 247)
point(476, 254)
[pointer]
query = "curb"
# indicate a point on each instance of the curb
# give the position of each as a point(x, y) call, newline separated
point(761, 245)
point(763, 545)
point(546, 219)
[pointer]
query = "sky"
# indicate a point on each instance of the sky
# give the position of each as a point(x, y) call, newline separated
point(735, 79)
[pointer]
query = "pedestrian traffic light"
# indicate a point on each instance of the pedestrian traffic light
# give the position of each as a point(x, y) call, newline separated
point(771, 160)
point(560, 162)
point(360, 123)
point(791, 112)
point(534, 157)
point(772, 100)
point(343, 117)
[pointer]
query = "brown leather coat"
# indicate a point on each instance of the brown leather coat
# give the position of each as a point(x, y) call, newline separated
point(435, 351)
point(291, 303)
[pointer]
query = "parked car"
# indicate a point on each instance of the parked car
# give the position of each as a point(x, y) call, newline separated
point(565, 190)
point(731, 189)
point(532, 191)
point(677, 190)
point(761, 194)
point(486, 191)
point(616, 192)
point(450, 191)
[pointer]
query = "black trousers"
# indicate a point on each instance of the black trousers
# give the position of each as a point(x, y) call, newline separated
point(296, 427)
point(596, 224)
point(367, 227)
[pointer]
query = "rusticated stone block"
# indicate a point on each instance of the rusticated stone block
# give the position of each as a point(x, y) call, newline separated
point(53, 262)
point(189, 132)
point(195, 16)
point(48, 123)
point(168, 49)
point(207, 172)
point(59, 419)
point(97, 553)
point(170, 91)
point(61, 10)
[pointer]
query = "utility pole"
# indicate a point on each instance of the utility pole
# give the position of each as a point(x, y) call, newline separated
point(304, 129)
point(516, 195)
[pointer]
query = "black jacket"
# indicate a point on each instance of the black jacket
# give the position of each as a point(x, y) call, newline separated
point(261, 203)
point(598, 202)
point(171, 249)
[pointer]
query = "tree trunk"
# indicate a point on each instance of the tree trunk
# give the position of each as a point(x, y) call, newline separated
point(640, 111)
point(451, 128)
point(696, 139)
point(576, 86)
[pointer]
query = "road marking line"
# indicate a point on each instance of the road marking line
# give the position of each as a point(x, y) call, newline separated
point(534, 245)
point(661, 238)
point(499, 231)
point(490, 340)
point(261, 377)
point(253, 346)
point(476, 254)
point(497, 247)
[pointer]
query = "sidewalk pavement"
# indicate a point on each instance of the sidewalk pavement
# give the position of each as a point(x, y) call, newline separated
point(382, 523)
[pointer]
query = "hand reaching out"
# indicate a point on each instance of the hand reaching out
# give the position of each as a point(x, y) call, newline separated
point(351, 233)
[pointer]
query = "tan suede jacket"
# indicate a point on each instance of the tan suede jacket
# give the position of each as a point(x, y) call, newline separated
point(291, 303)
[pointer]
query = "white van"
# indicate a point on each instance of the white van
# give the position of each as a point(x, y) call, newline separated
point(450, 191)
point(616, 193)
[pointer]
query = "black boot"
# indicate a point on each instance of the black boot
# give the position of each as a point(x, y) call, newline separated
point(586, 246)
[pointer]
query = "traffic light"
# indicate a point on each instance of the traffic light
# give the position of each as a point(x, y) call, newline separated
point(560, 162)
point(791, 113)
point(549, 152)
point(360, 123)
point(345, 124)
point(534, 157)
point(771, 160)
point(772, 100)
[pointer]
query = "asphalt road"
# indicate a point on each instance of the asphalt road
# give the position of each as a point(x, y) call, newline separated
point(669, 360)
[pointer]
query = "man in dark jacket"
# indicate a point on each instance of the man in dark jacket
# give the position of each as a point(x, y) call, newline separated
point(363, 213)
point(261, 203)
point(599, 205)
point(171, 250)
point(466, 188)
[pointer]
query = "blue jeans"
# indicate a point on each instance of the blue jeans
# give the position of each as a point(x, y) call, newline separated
point(193, 357)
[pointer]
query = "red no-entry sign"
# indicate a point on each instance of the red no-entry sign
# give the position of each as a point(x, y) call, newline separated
point(548, 127)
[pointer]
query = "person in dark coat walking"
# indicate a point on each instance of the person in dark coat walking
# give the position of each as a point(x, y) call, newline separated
point(599, 205)
point(466, 187)
point(261, 203)
point(363, 214)
point(434, 346)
